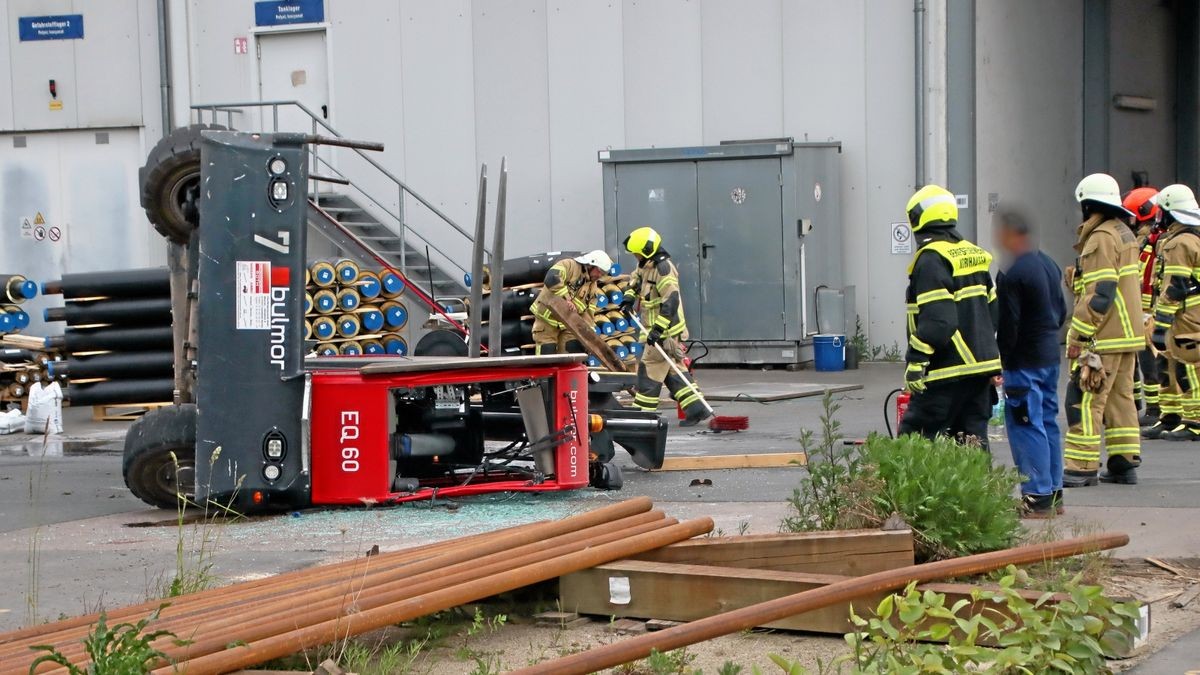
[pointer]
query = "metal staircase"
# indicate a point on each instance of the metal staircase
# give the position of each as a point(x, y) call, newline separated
point(373, 225)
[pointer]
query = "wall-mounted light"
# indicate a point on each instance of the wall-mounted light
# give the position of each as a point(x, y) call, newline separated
point(1128, 102)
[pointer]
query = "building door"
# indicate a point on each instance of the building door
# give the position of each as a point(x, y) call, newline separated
point(741, 249)
point(662, 195)
point(292, 66)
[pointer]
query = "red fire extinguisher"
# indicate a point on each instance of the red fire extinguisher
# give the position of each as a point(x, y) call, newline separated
point(902, 400)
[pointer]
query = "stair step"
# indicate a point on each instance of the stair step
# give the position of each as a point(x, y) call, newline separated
point(341, 209)
point(360, 223)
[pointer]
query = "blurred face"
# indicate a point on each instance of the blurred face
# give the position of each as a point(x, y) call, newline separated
point(1009, 240)
point(594, 273)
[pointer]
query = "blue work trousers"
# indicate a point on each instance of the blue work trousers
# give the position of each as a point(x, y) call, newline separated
point(1031, 415)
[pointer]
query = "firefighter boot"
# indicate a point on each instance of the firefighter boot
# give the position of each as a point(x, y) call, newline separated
point(1150, 417)
point(1164, 424)
point(1185, 431)
point(687, 395)
point(1078, 479)
point(1121, 470)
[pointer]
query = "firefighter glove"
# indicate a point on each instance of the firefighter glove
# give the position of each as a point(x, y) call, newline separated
point(914, 377)
point(1091, 372)
point(655, 336)
point(1159, 339)
point(627, 302)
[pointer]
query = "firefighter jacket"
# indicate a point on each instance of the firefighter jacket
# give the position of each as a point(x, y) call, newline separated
point(1107, 289)
point(1179, 300)
point(655, 286)
point(1148, 261)
point(952, 309)
point(568, 279)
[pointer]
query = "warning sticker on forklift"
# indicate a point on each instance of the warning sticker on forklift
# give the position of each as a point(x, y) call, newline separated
point(253, 295)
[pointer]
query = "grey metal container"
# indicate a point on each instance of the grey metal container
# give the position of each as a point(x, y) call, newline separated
point(754, 228)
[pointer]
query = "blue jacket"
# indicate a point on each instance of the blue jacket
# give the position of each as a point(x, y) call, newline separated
point(1032, 312)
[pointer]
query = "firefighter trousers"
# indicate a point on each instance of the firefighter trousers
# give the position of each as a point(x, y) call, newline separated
point(654, 371)
point(1153, 375)
point(1109, 414)
point(1183, 379)
point(550, 339)
point(953, 408)
point(1170, 396)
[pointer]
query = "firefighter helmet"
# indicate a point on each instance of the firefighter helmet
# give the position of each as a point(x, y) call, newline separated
point(596, 258)
point(1101, 188)
point(643, 241)
point(1179, 201)
point(1140, 201)
point(932, 205)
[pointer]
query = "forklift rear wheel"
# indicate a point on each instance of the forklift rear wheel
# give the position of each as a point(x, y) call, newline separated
point(151, 472)
point(170, 182)
point(607, 477)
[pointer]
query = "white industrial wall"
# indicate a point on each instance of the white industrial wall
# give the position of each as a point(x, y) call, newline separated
point(77, 166)
point(448, 84)
point(1029, 114)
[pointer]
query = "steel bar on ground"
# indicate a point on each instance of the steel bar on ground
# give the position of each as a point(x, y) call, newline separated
point(328, 631)
point(625, 651)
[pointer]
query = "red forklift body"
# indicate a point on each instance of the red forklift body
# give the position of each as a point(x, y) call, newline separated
point(354, 421)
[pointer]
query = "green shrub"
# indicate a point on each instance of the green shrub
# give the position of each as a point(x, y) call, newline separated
point(120, 649)
point(1072, 636)
point(956, 502)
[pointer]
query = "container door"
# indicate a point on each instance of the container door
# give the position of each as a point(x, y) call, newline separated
point(662, 195)
point(741, 250)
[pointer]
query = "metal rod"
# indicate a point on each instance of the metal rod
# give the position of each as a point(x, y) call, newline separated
point(314, 139)
point(451, 596)
point(495, 341)
point(475, 320)
point(614, 654)
point(919, 86)
point(328, 179)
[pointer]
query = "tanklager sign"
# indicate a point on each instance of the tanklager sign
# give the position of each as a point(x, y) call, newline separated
point(57, 27)
point(281, 12)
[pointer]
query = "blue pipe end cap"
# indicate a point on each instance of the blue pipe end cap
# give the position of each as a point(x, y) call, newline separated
point(467, 279)
point(28, 290)
point(324, 275)
point(392, 283)
point(372, 320)
point(615, 269)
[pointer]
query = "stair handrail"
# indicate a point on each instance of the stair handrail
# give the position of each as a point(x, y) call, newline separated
point(229, 109)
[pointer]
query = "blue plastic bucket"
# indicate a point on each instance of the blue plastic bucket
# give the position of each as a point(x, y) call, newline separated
point(829, 353)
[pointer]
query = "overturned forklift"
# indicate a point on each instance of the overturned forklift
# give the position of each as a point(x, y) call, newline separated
point(258, 424)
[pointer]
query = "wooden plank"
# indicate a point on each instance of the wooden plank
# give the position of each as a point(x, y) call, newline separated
point(768, 460)
point(651, 590)
point(124, 412)
point(850, 552)
point(585, 333)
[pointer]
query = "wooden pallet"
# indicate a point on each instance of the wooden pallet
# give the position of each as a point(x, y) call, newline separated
point(123, 412)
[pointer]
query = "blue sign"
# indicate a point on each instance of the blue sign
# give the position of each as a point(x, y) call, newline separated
point(281, 13)
point(60, 27)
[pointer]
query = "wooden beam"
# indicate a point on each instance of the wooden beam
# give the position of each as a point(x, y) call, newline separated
point(849, 552)
point(585, 333)
point(652, 590)
point(757, 461)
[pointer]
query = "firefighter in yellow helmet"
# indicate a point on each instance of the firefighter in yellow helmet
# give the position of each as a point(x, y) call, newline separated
point(653, 291)
point(952, 354)
point(1106, 322)
point(574, 279)
point(1177, 314)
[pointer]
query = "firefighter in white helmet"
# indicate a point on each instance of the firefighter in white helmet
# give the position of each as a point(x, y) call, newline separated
point(575, 280)
point(1177, 313)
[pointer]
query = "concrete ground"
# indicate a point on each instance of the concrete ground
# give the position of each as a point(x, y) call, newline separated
point(73, 538)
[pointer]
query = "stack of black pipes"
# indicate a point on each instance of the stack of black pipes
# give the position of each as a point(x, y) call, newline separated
point(118, 339)
point(523, 279)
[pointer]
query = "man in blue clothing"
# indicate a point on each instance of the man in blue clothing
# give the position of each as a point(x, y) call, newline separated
point(1032, 312)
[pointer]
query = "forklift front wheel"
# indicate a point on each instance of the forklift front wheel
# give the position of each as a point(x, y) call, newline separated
point(170, 182)
point(160, 457)
point(607, 476)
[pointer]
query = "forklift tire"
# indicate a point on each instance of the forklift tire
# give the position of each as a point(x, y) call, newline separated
point(151, 474)
point(607, 476)
point(170, 183)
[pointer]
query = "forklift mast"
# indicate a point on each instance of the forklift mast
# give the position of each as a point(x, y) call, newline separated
point(250, 377)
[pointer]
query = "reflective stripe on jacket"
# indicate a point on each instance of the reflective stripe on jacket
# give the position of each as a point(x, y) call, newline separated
point(951, 303)
point(655, 285)
point(1178, 307)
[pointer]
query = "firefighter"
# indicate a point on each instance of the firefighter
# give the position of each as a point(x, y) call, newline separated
point(1107, 330)
point(1151, 364)
point(952, 354)
point(1177, 315)
point(653, 291)
point(574, 279)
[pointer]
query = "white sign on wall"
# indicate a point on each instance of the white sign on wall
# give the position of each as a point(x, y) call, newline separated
point(901, 239)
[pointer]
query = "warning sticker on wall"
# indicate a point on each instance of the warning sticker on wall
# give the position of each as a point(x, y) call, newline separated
point(253, 295)
point(901, 239)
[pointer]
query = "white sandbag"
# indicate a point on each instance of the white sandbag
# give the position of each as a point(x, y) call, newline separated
point(44, 414)
point(12, 422)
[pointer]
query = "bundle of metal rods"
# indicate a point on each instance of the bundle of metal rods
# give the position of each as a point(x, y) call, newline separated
point(118, 338)
point(285, 614)
point(353, 311)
